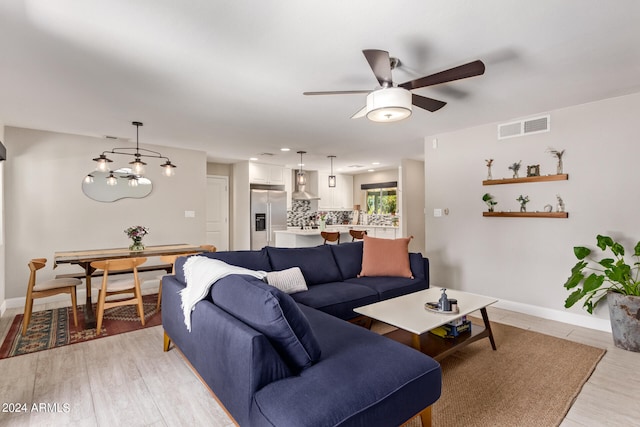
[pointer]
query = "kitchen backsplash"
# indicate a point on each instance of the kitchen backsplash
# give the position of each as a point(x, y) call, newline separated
point(301, 214)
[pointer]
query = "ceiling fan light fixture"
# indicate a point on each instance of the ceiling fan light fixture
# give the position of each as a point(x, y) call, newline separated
point(390, 104)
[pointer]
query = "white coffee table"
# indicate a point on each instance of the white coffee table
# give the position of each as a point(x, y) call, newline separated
point(414, 322)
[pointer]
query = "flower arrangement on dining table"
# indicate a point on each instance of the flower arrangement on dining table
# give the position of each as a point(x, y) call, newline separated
point(136, 234)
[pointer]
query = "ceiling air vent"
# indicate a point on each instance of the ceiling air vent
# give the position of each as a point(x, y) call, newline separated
point(524, 127)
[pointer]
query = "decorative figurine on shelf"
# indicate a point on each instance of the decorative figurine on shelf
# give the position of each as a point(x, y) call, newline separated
point(523, 202)
point(488, 199)
point(558, 155)
point(489, 163)
point(560, 206)
point(533, 170)
point(515, 168)
point(136, 234)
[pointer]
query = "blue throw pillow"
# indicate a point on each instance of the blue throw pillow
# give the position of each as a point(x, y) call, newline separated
point(317, 263)
point(271, 312)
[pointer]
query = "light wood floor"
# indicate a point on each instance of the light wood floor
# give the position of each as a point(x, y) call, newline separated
point(128, 380)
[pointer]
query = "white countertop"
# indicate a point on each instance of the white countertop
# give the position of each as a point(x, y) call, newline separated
point(344, 228)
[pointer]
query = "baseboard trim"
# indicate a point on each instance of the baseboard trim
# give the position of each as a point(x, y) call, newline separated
point(586, 320)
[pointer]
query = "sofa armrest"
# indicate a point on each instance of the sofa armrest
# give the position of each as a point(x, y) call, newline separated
point(247, 364)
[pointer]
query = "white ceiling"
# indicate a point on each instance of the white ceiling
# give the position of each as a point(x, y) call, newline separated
point(227, 77)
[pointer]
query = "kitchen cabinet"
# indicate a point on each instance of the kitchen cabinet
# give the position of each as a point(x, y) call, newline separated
point(260, 173)
point(384, 232)
point(339, 197)
point(288, 186)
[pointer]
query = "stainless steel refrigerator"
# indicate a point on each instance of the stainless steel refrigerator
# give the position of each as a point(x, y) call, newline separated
point(268, 214)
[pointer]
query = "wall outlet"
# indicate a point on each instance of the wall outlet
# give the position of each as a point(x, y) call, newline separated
point(189, 214)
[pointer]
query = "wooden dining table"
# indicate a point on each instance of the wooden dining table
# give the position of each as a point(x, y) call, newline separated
point(84, 258)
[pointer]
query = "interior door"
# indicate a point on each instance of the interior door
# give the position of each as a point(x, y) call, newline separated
point(218, 212)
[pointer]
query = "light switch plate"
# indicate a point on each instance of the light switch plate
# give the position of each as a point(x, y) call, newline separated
point(189, 214)
point(437, 212)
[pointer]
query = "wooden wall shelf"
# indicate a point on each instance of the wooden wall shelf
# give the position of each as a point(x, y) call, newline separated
point(527, 214)
point(561, 177)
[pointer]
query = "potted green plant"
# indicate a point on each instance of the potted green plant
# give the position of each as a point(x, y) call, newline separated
point(613, 278)
point(488, 199)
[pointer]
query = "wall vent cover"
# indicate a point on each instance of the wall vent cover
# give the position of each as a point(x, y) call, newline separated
point(524, 127)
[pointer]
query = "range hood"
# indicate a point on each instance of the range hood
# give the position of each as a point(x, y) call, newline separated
point(302, 194)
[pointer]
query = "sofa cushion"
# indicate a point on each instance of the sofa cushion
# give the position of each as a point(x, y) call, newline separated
point(385, 257)
point(288, 281)
point(271, 312)
point(253, 260)
point(390, 287)
point(362, 379)
point(317, 263)
point(337, 298)
point(348, 256)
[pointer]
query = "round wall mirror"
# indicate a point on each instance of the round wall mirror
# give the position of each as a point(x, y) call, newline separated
point(115, 185)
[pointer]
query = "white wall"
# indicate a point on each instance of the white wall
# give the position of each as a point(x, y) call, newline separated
point(46, 210)
point(2, 231)
point(525, 261)
point(412, 191)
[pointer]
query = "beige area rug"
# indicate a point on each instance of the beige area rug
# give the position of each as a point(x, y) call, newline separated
point(531, 380)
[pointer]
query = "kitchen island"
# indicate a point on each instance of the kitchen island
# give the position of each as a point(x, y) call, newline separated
point(295, 237)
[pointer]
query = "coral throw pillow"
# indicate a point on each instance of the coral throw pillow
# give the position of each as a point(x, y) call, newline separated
point(386, 257)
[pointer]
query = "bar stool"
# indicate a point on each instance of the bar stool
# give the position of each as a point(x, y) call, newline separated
point(357, 234)
point(331, 236)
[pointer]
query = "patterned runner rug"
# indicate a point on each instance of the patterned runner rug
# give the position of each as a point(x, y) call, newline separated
point(54, 328)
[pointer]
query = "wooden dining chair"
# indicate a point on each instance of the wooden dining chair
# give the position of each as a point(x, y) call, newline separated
point(171, 259)
point(331, 236)
point(357, 234)
point(45, 289)
point(118, 286)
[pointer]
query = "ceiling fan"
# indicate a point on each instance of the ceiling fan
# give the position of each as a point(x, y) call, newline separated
point(391, 102)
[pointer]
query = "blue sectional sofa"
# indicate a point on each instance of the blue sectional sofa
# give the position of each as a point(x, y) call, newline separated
point(277, 359)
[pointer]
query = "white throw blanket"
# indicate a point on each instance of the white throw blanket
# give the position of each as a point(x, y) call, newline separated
point(200, 274)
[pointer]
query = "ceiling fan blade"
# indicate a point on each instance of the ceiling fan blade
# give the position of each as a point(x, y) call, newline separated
point(360, 113)
point(379, 62)
point(471, 69)
point(428, 104)
point(336, 92)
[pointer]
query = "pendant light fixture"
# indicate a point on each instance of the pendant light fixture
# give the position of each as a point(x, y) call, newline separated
point(332, 177)
point(137, 164)
point(301, 178)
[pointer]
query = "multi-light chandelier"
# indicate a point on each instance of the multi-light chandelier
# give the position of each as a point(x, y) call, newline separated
point(137, 165)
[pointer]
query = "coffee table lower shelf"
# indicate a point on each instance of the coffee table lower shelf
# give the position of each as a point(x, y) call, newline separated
point(437, 347)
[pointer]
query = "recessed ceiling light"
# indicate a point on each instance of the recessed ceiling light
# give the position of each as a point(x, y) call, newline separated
point(371, 170)
point(285, 149)
point(375, 163)
point(253, 158)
